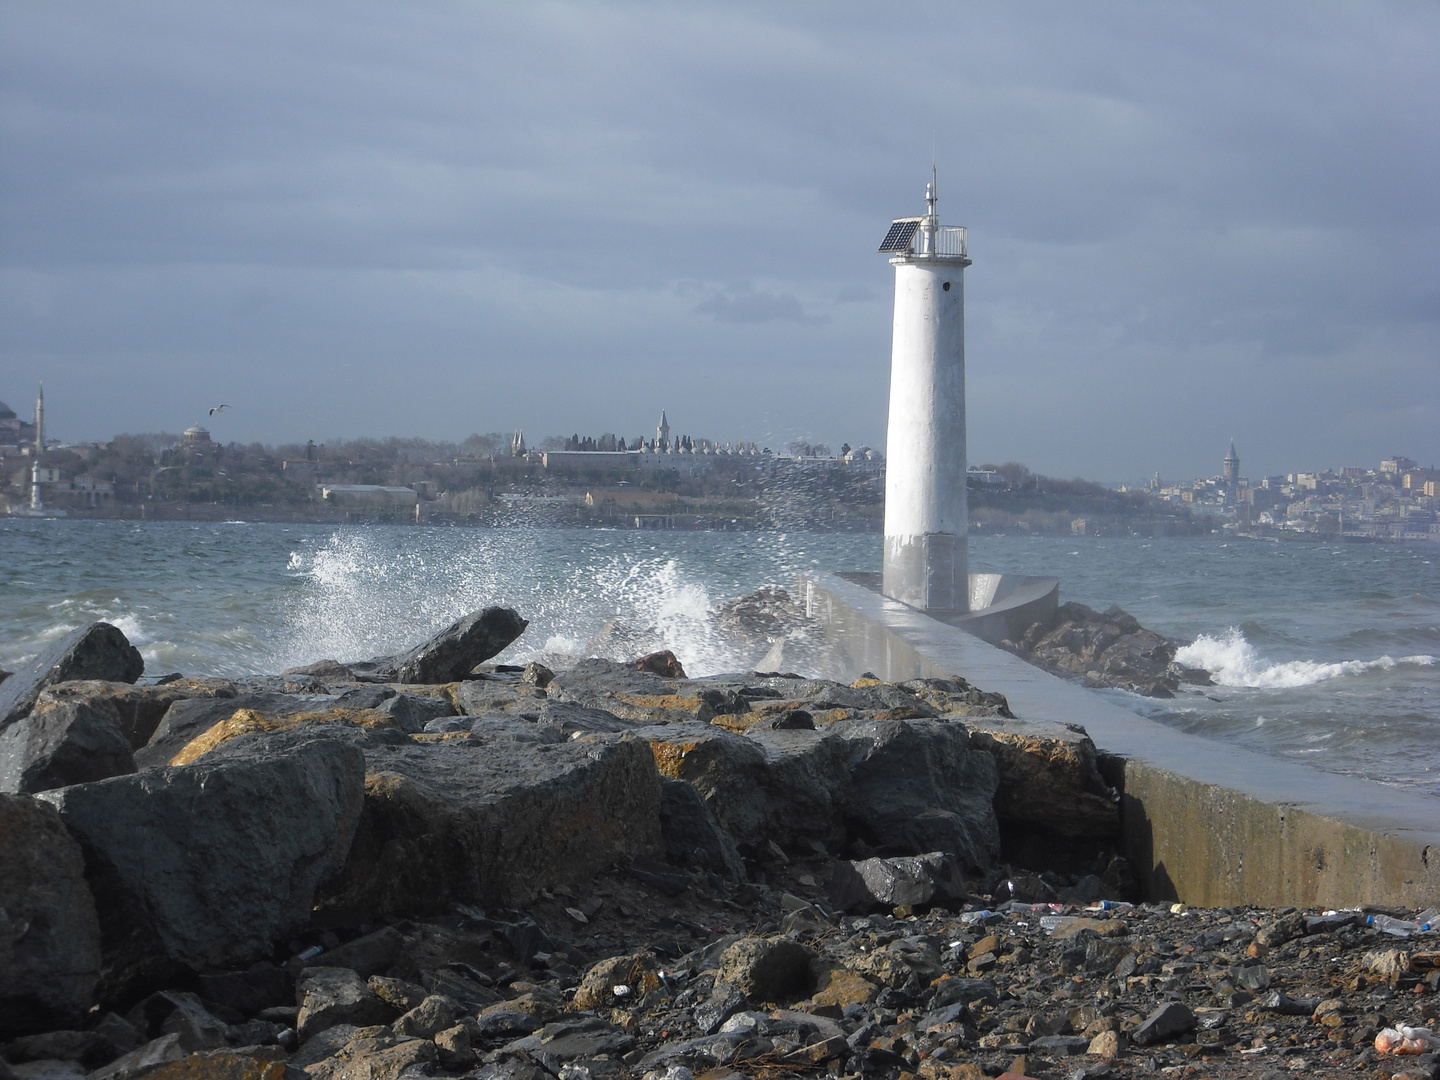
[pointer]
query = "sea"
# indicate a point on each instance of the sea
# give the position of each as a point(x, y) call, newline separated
point(1323, 653)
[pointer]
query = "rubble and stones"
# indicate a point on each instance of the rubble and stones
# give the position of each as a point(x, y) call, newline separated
point(618, 872)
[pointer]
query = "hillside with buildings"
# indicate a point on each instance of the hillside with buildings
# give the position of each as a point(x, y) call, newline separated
point(1397, 500)
point(666, 481)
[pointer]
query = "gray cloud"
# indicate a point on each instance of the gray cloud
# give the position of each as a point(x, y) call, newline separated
point(744, 303)
point(1189, 222)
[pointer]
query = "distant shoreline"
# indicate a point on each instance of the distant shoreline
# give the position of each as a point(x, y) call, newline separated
point(213, 513)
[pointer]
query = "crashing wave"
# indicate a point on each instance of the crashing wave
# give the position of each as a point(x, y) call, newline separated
point(1232, 660)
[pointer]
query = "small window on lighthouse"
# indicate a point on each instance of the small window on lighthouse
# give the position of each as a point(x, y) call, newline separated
point(946, 286)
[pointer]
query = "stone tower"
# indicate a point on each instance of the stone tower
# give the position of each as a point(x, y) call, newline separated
point(662, 433)
point(1231, 468)
point(926, 562)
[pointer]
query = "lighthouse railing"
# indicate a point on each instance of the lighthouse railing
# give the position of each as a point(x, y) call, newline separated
point(950, 241)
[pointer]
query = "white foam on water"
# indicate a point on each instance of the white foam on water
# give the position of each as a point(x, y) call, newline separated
point(131, 627)
point(362, 594)
point(1231, 660)
point(561, 645)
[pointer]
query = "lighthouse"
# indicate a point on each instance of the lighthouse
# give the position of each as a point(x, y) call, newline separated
point(926, 561)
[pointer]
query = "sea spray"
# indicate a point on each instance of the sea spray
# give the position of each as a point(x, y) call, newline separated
point(1232, 660)
point(364, 592)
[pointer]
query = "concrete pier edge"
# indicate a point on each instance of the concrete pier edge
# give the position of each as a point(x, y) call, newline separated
point(1203, 822)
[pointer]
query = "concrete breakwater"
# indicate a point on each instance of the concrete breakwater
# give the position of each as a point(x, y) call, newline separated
point(427, 863)
point(1202, 822)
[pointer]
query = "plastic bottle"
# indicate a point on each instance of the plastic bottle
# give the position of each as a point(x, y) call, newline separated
point(1393, 926)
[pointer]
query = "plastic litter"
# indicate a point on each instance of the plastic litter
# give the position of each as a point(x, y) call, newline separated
point(1406, 1040)
point(1396, 927)
point(310, 953)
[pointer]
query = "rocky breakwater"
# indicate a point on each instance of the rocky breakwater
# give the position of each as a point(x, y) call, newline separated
point(1108, 648)
point(436, 865)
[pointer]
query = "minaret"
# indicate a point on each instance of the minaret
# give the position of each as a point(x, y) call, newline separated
point(926, 551)
point(1232, 467)
point(662, 432)
point(35, 502)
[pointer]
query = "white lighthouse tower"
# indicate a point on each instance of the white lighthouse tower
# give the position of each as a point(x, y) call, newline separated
point(926, 517)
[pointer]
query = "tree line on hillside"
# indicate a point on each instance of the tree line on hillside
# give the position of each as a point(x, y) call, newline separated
point(787, 493)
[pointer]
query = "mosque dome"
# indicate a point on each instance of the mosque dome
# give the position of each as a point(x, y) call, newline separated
point(6, 413)
point(195, 436)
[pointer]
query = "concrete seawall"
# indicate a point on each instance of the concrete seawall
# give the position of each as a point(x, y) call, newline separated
point(1203, 822)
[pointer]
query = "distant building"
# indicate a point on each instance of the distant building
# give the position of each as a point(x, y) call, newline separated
point(988, 477)
point(196, 438)
point(589, 459)
point(84, 491)
point(1394, 466)
point(624, 499)
point(373, 496)
point(1230, 470)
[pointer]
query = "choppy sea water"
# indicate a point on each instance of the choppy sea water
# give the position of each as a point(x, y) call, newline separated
point(1324, 653)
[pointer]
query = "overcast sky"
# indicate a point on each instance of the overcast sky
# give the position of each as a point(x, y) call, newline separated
point(1189, 222)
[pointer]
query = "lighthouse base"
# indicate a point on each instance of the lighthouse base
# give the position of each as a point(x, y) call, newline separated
point(929, 572)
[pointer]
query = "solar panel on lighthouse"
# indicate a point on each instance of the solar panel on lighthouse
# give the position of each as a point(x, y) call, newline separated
point(902, 231)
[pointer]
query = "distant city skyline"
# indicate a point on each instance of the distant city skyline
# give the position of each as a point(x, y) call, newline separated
point(428, 222)
point(537, 440)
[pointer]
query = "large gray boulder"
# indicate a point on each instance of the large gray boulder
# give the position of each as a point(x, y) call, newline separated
point(135, 710)
point(788, 787)
point(692, 835)
point(873, 884)
point(97, 651)
point(1049, 778)
point(69, 744)
point(49, 933)
point(328, 996)
point(450, 655)
point(918, 786)
point(185, 720)
point(203, 866)
point(413, 711)
point(591, 682)
point(494, 817)
point(901, 787)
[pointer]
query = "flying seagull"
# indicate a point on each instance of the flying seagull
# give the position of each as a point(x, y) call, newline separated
point(217, 408)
